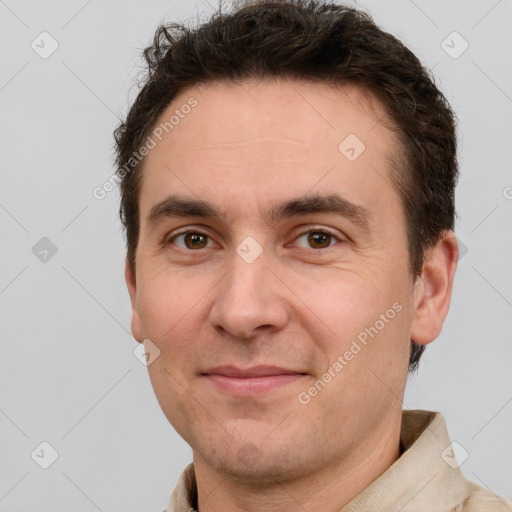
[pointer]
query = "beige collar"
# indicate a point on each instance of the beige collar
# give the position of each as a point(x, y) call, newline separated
point(421, 480)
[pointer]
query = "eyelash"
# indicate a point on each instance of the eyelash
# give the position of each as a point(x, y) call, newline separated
point(171, 240)
point(336, 238)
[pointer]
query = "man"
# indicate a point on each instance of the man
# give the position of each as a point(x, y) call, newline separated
point(288, 174)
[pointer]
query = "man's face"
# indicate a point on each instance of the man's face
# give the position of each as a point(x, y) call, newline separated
point(298, 261)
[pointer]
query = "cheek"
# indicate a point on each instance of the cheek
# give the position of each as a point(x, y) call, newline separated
point(169, 308)
point(344, 301)
point(361, 319)
point(164, 299)
point(172, 320)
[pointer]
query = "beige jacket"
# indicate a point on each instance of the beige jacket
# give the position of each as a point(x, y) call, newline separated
point(426, 478)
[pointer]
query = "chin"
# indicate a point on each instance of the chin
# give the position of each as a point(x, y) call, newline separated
point(250, 465)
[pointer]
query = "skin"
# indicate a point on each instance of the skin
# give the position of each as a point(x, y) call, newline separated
point(246, 148)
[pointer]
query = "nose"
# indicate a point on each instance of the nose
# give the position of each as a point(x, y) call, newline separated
point(250, 299)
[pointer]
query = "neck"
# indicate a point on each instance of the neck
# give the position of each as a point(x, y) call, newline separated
point(328, 489)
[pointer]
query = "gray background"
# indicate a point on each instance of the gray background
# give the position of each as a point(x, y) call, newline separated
point(68, 375)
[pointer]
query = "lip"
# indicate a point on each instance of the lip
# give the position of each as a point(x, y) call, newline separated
point(254, 381)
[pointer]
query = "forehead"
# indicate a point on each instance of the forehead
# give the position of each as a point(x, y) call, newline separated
point(266, 139)
point(229, 111)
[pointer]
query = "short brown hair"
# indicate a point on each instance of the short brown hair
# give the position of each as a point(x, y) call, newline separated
point(316, 41)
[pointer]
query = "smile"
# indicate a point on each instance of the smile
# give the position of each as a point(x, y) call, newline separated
point(255, 381)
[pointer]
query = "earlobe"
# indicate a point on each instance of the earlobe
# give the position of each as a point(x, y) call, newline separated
point(131, 283)
point(433, 289)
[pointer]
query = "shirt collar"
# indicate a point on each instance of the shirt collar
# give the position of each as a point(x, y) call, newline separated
point(425, 478)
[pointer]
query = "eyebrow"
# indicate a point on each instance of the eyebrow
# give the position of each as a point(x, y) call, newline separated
point(174, 206)
point(330, 203)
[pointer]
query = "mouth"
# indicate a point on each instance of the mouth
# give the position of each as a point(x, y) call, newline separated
point(255, 381)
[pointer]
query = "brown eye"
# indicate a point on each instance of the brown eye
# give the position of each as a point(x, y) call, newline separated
point(319, 240)
point(195, 240)
point(192, 240)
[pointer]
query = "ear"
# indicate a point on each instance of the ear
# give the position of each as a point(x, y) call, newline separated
point(131, 283)
point(433, 289)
